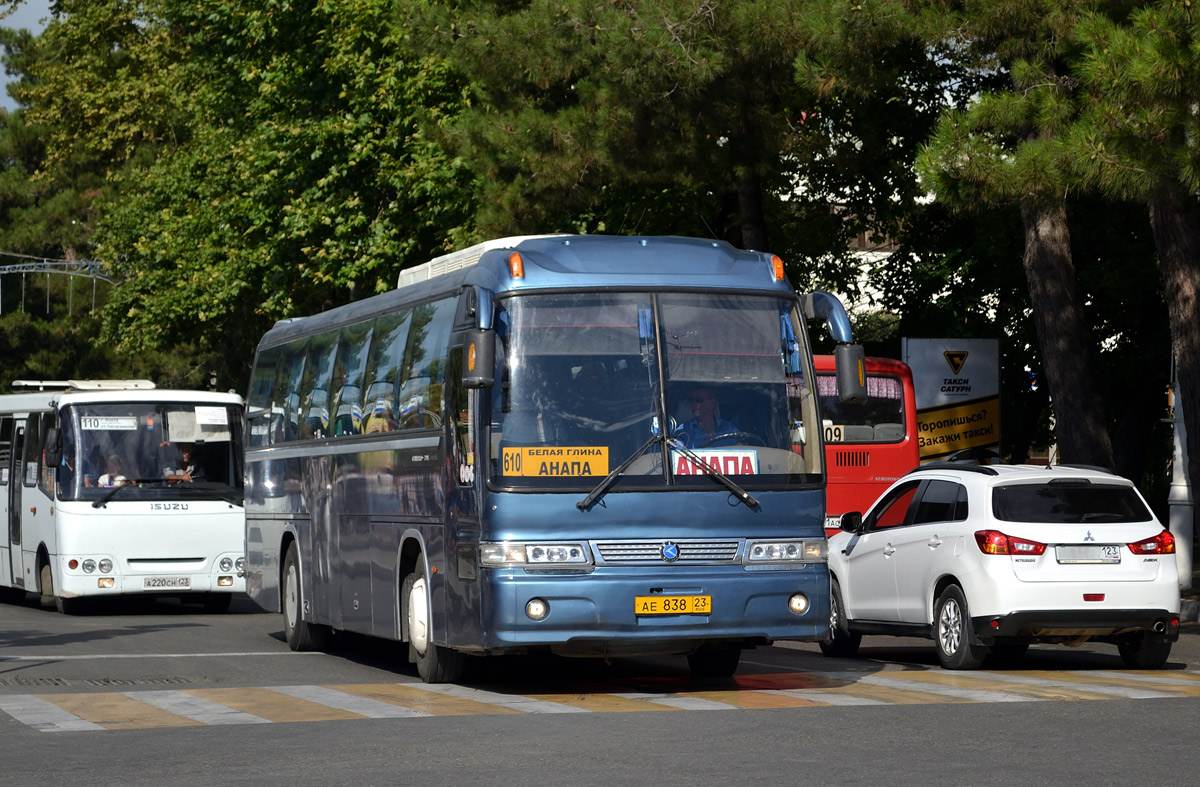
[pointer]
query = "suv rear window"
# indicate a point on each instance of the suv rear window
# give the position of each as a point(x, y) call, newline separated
point(1063, 503)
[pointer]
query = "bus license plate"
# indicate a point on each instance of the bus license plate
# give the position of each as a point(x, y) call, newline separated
point(166, 583)
point(672, 605)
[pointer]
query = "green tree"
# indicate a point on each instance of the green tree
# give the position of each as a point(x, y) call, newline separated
point(1006, 149)
point(1138, 141)
point(261, 160)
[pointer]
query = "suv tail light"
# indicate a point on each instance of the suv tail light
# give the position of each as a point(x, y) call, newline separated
point(1162, 544)
point(993, 542)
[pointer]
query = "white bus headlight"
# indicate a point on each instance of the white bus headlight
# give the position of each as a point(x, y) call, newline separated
point(105, 566)
point(787, 551)
point(241, 564)
point(226, 565)
point(509, 553)
point(89, 566)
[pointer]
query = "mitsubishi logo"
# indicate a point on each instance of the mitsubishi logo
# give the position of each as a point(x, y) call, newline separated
point(670, 551)
point(1089, 536)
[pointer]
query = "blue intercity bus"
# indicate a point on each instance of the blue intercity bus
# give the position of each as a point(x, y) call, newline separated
point(595, 446)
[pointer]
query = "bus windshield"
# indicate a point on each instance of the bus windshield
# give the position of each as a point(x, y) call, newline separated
point(151, 450)
point(583, 382)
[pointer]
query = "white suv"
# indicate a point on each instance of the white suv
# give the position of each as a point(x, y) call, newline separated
point(990, 558)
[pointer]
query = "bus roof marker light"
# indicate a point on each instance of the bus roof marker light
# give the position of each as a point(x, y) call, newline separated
point(777, 267)
point(516, 265)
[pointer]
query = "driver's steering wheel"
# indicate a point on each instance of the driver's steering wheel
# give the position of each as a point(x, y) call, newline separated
point(745, 438)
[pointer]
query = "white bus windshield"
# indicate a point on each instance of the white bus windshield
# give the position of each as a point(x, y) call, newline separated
point(152, 450)
point(582, 381)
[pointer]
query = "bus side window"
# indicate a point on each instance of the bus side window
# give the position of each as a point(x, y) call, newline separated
point(33, 450)
point(259, 404)
point(458, 412)
point(419, 401)
point(314, 386)
point(47, 472)
point(6, 430)
point(348, 373)
point(286, 397)
point(383, 371)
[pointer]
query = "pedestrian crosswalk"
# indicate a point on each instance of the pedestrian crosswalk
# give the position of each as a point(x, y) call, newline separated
point(196, 707)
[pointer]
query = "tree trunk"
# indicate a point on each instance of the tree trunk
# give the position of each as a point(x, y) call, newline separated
point(750, 207)
point(1079, 423)
point(1175, 220)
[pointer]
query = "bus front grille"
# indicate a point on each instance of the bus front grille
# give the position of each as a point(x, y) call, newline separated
point(691, 551)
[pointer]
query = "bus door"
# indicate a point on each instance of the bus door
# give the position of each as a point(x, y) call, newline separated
point(16, 477)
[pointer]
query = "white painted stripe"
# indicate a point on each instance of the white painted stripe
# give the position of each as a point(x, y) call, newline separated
point(50, 657)
point(824, 697)
point(195, 708)
point(513, 701)
point(1094, 688)
point(1162, 680)
point(675, 701)
point(364, 706)
point(975, 695)
point(42, 715)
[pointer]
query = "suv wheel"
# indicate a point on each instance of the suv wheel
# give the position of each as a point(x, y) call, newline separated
point(841, 643)
point(952, 632)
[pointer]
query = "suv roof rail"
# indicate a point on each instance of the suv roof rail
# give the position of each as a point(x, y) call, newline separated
point(968, 466)
point(1096, 468)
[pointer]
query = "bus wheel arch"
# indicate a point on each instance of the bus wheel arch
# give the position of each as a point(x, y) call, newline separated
point(301, 635)
point(435, 663)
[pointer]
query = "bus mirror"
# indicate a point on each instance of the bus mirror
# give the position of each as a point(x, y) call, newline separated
point(851, 521)
point(479, 359)
point(54, 449)
point(851, 373)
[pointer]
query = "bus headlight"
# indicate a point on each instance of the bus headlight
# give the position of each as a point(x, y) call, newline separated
point(509, 553)
point(226, 565)
point(89, 566)
point(787, 551)
point(241, 564)
point(105, 566)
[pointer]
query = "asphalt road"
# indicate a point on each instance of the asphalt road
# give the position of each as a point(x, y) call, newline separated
point(162, 693)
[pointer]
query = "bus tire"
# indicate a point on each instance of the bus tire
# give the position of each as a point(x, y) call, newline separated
point(841, 643)
point(714, 661)
point(300, 634)
point(46, 586)
point(435, 664)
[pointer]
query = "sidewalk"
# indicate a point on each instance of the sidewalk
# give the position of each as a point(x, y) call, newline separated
point(1189, 609)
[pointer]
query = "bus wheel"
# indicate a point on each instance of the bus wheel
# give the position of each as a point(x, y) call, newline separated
point(714, 661)
point(300, 634)
point(435, 664)
point(46, 583)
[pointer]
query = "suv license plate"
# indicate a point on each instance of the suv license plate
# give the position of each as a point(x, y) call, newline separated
point(672, 605)
point(166, 583)
point(1098, 553)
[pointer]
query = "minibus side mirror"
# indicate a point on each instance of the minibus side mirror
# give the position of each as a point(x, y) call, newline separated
point(851, 373)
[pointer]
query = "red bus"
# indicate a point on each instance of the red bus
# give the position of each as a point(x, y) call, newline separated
point(867, 445)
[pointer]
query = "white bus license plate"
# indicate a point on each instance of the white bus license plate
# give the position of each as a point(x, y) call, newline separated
point(166, 583)
point(1099, 553)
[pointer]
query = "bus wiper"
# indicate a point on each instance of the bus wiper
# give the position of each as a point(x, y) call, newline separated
point(709, 470)
point(116, 489)
point(713, 472)
point(607, 481)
